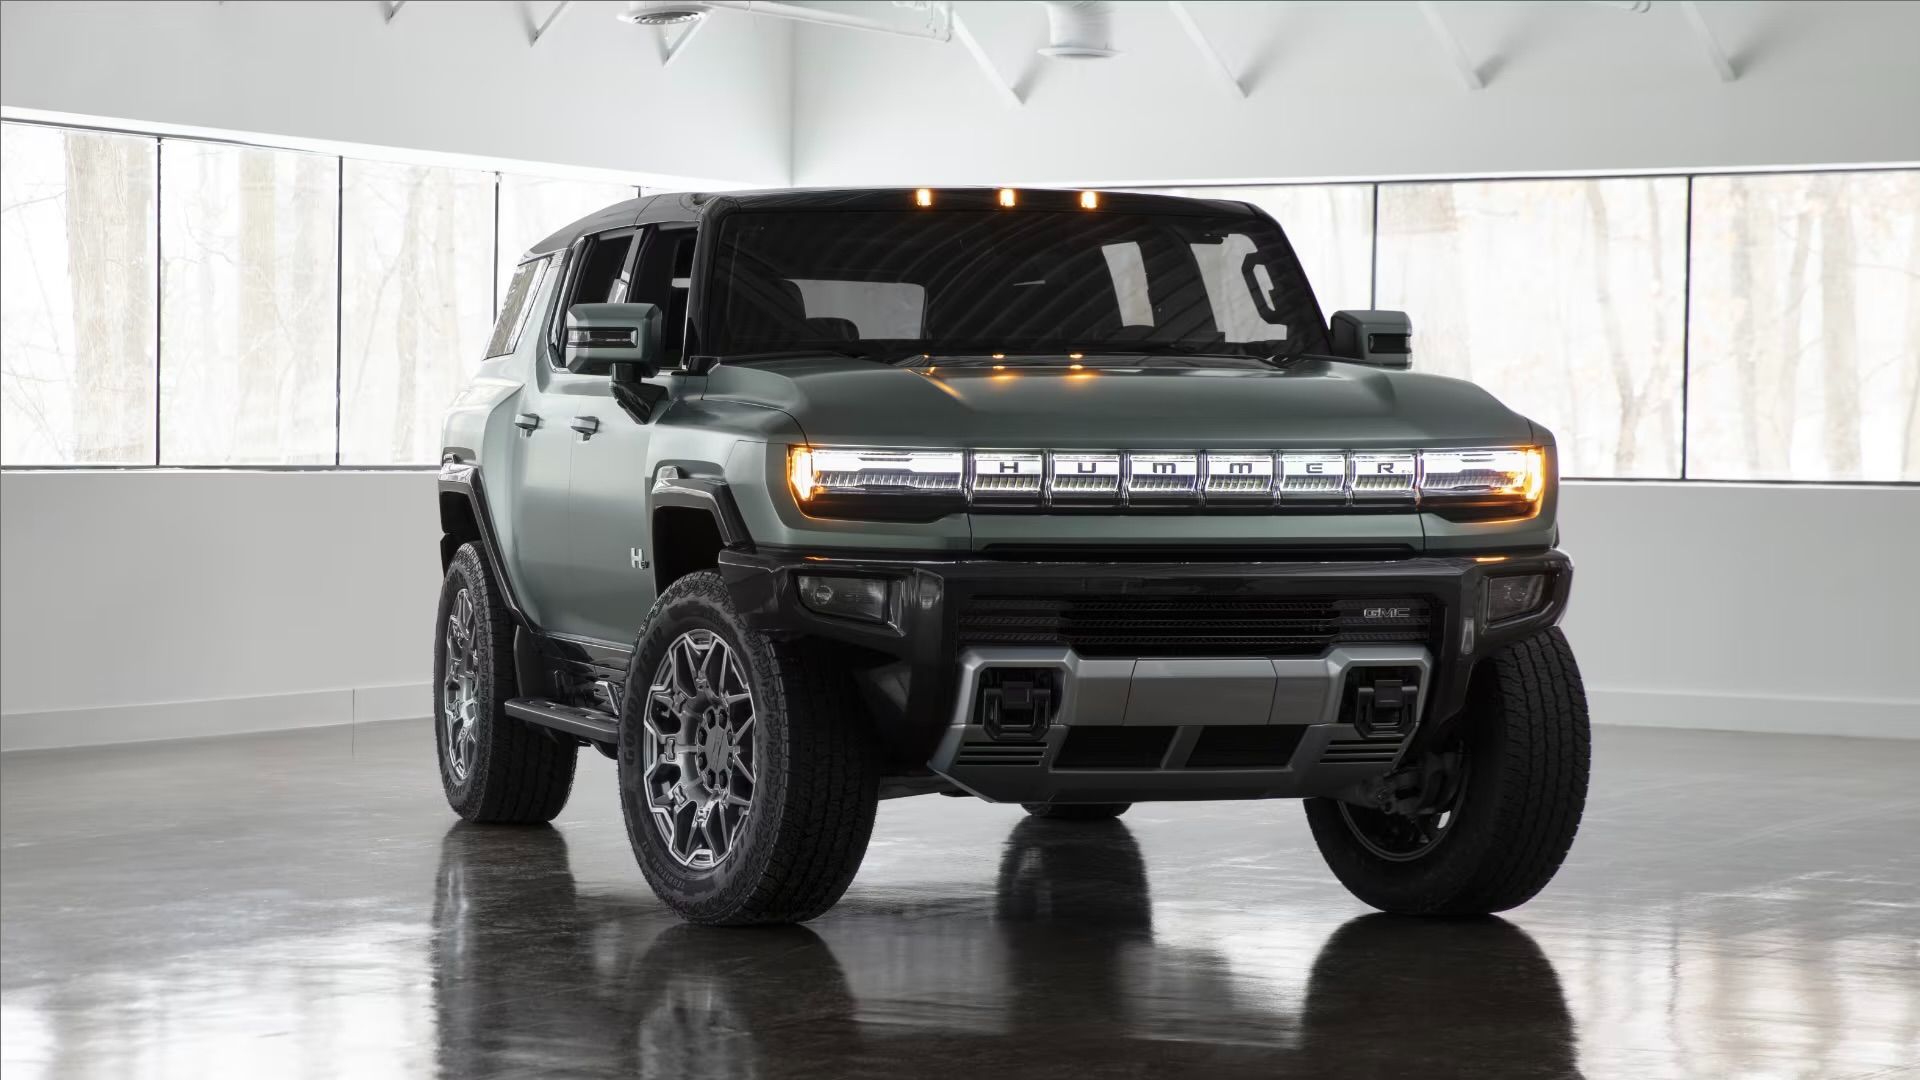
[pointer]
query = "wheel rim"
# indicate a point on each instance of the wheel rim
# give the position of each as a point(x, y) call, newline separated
point(1404, 837)
point(698, 760)
point(460, 689)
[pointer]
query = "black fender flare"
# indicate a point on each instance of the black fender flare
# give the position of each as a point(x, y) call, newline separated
point(671, 488)
point(462, 479)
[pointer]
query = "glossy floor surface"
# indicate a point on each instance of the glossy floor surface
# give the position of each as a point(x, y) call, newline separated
point(303, 904)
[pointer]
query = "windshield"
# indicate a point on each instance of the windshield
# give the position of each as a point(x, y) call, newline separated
point(901, 283)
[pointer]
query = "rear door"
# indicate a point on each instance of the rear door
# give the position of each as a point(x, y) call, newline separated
point(613, 549)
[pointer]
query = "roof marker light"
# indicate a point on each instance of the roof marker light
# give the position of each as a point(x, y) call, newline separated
point(923, 197)
point(1089, 200)
point(1006, 196)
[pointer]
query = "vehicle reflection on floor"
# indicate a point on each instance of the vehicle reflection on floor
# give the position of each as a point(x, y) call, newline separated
point(1062, 975)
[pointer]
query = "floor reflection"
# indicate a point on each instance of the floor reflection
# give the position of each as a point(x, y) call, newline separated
point(1062, 975)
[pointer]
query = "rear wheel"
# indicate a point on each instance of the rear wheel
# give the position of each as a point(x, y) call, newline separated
point(1483, 821)
point(748, 778)
point(1077, 811)
point(493, 767)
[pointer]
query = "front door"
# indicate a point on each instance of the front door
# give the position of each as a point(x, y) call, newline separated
point(613, 556)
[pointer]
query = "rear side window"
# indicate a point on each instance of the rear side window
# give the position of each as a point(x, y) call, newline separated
point(517, 306)
point(875, 309)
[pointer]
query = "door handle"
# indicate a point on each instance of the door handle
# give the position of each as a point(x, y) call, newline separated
point(527, 421)
point(586, 425)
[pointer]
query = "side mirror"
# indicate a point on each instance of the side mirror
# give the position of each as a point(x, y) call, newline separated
point(602, 335)
point(1381, 338)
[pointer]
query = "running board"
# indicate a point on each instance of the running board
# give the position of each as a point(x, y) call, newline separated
point(590, 724)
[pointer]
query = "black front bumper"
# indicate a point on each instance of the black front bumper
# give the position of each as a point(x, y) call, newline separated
point(912, 670)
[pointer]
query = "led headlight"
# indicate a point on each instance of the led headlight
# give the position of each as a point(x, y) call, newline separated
point(1469, 484)
point(896, 485)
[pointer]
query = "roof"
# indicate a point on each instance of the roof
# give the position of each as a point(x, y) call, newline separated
point(689, 205)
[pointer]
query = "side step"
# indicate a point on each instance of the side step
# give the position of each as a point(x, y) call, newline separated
point(590, 724)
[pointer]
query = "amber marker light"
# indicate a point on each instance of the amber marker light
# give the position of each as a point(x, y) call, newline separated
point(923, 197)
point(1089, 200)
point(800, 473)
point(1536, 474)
point(1006, 196)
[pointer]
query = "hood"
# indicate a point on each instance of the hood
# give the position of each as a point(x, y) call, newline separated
point(1111, 405)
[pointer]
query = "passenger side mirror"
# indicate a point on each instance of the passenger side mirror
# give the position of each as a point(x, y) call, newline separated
point(602, 335)
point(1381, 338)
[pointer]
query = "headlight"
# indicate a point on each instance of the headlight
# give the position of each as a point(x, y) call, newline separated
point(885, 484)
point(896, 485)
point(1479, 484)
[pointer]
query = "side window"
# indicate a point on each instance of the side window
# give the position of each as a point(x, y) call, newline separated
point(662, 274)
point(600, 269)
point(517, 306)
point(864, 309)
point(1129, 270)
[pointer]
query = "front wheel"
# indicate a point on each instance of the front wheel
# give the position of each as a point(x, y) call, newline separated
point(748, 778)
point(1484, 820)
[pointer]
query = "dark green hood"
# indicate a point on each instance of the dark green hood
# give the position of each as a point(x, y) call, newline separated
point(1309, 405)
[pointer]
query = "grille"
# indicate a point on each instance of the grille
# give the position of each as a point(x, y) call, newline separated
point(1194, 625)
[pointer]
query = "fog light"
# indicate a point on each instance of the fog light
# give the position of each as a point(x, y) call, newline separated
point(1514, 595)
point(847, 597)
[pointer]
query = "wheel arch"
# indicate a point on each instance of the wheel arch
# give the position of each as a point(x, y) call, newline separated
point(693, 521)
point(465, 519)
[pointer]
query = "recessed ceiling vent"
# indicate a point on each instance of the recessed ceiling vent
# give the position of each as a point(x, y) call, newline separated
point(1079, 30)
point(656, 13)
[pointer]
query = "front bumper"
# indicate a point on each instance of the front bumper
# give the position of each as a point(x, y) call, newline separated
point(1144, 726)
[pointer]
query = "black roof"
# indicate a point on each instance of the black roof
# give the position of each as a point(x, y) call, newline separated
point(689, 206)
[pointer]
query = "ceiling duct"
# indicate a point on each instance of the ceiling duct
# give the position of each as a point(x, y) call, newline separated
point(654, 13)
point(1079, 30)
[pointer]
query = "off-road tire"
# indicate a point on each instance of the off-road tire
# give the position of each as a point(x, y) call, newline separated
point(816, 772)
point(1527, 745)
point(1077, 811)
point(519, 774)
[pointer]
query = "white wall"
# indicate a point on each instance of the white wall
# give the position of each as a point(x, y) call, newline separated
point(165, 604)
point(452, 78)
point(1363, 90)
point(1747, 607)
point(157, 604)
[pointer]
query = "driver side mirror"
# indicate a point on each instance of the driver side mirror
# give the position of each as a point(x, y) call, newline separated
point(1381, 338)
point(602, 335)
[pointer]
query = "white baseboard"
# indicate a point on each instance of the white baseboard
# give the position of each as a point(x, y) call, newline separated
point(1771, 714)
point(98, 726)
point(1766, 713)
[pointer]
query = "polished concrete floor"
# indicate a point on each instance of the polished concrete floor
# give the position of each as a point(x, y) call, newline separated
point(303, 904)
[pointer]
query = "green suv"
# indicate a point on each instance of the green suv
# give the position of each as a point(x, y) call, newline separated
point(794, 501)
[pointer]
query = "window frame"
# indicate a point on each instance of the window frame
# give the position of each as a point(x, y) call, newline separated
point(1194, 189)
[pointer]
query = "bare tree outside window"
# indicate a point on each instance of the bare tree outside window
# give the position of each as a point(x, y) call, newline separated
point(76, 297)
point(533, 208)
point(416, 304)
point(1564, 297)
point(247, 305)
point(1806, 327)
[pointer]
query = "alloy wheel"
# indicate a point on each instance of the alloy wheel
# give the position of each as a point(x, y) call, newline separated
point(697, 751)
point(460, 687)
